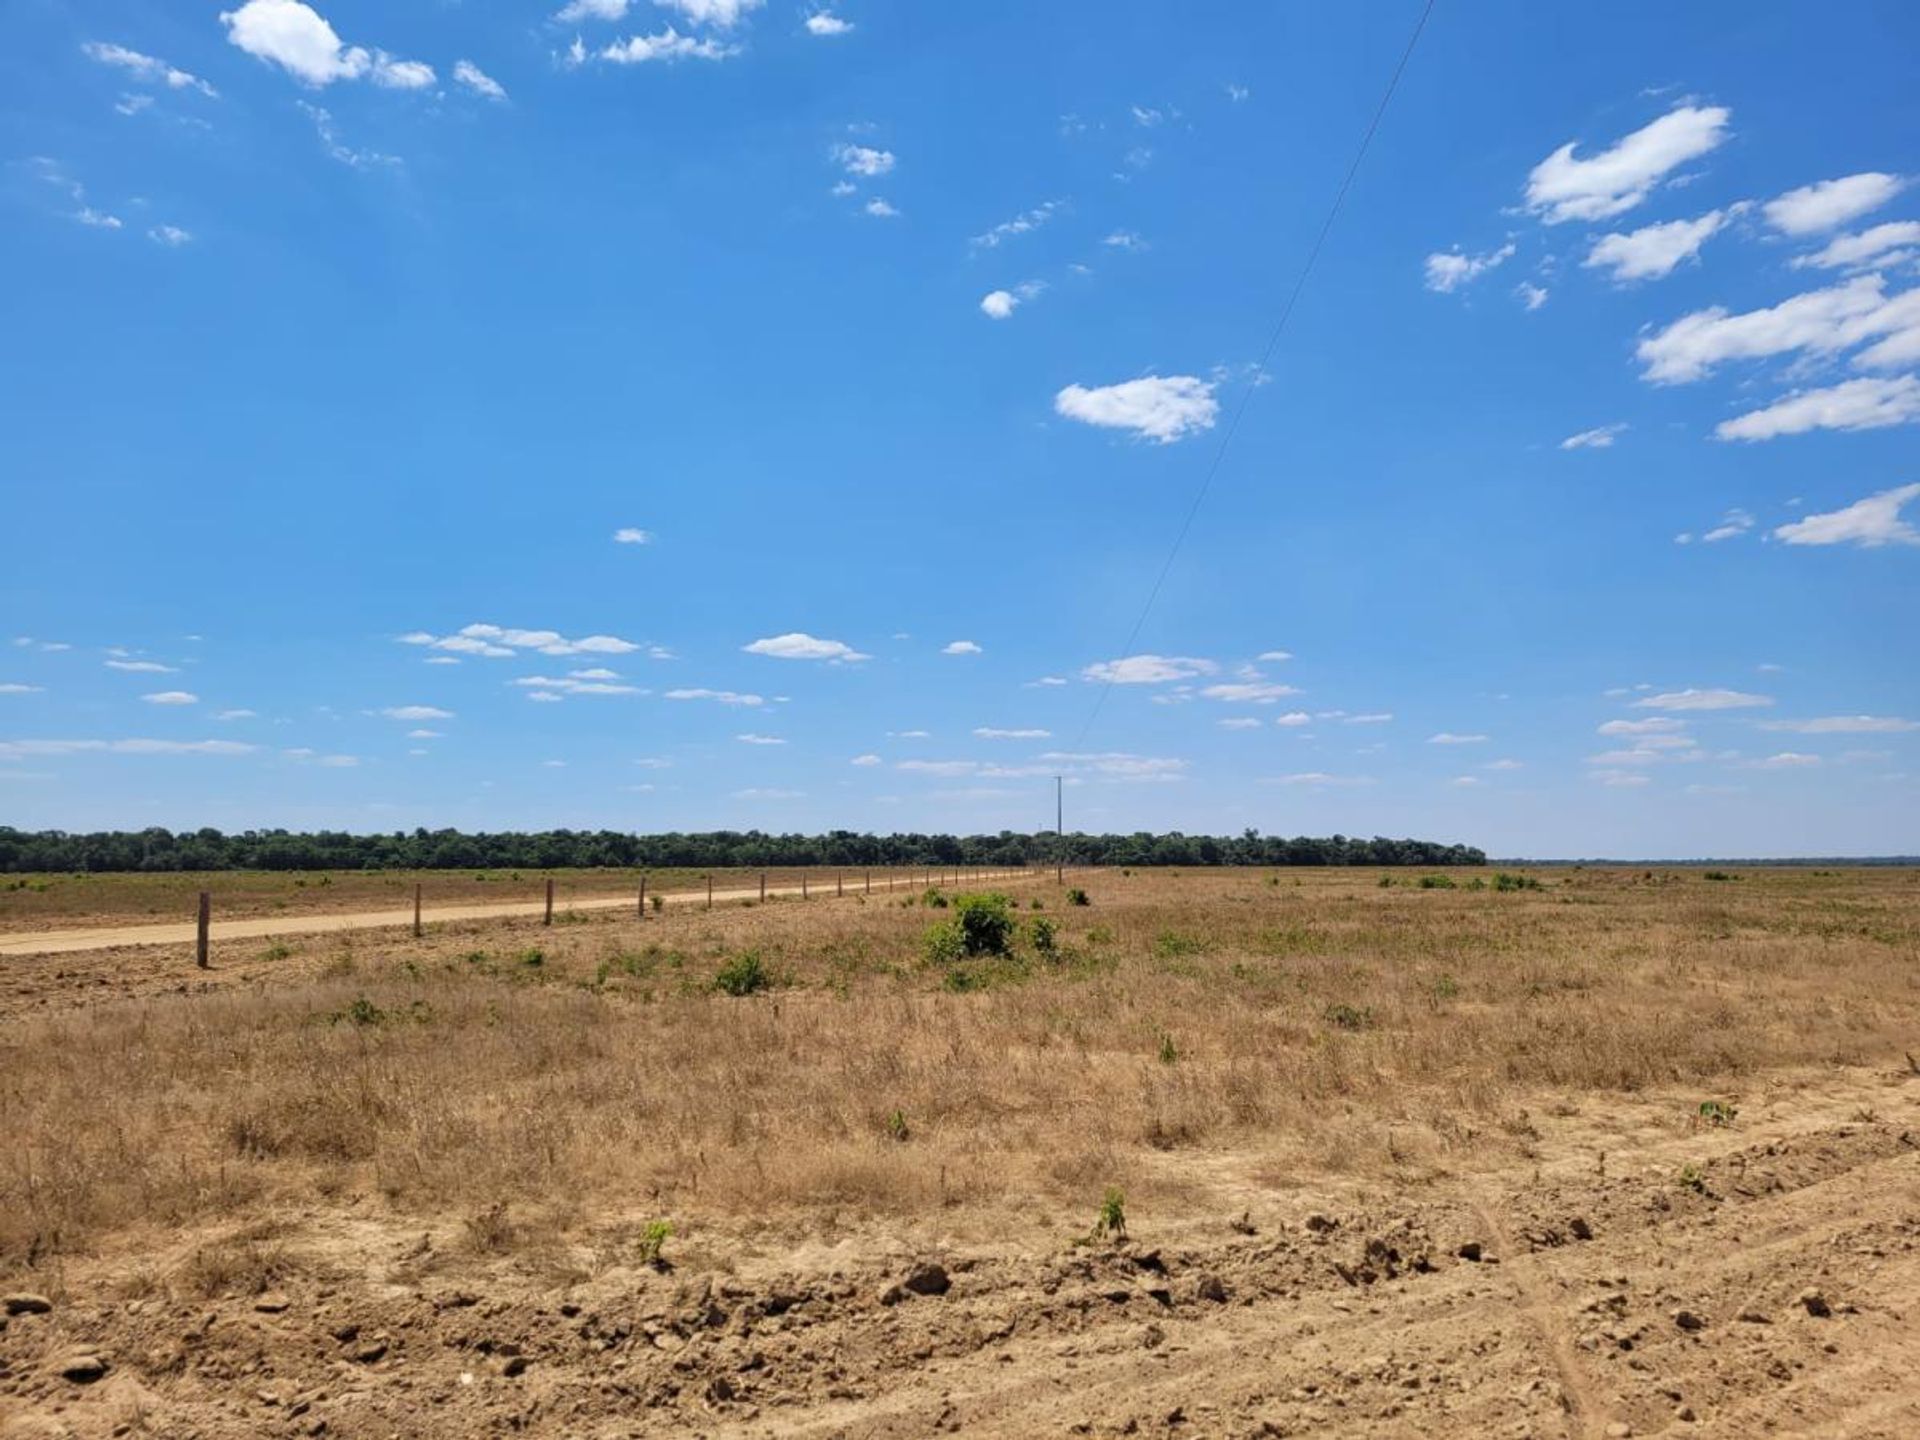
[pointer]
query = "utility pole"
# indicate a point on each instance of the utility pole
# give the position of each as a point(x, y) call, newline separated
point(1059, 831)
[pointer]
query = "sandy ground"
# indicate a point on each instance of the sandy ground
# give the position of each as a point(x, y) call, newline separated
point(1574, 1296)
point(114, 937)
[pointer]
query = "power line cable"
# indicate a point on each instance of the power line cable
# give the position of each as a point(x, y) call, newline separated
point(1253, 380)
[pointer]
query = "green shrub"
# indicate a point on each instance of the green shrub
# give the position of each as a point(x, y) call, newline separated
point(1437, 882)
point(1349, 1017)
point(1503, 881)
point(653, 1241)
point(1077, 896)
point(1044, 935)
point(743, 975)
point(1719, 875)
point(1111, 1222)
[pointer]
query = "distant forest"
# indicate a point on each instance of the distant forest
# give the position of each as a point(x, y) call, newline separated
point(162, 850)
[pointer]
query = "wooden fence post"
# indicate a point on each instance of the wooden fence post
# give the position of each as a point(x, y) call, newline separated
point(643, 894)
point(709, 892)
point(763, 887)
point(839, 885)
point(549, 919)
point(416, 909)
point(206, 916)
point(803, 884)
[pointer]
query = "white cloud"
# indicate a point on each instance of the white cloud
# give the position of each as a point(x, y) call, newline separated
point(1148, 669)
point(1161, 408)
point(235, 715)
point(1601, 437)
point(1652, 725)
point(544, 697)
point(15, 749)
point(14, 687)
point(1845, 725)
point(416, 712)
point(865, 761)
point(989, 732)
point(724, 14)
point(721, 697)
point(1466, 781)
point(1869, 523)
point(477, 80)
point(1020, 224)
point(1869, 403)
point(1733, 524)
point(1447, 737)
point(1117, 765)
point(142, 667)
point(581, 682)
point(1831, 203)
point(801, 646)
point(425, 734)
point(1124, 240)
point(760, 793)
point(668, 46)
point(146, 67)
point(864, 160)
point(1504, 765)
point(1378, 719)
point(1250, 692)
point(498, 641)
point(880, 209)
point(1449, 271)
point(1274, 655)
point(1531, 295)
point(960, 647)
point(97, 219)
point(1319, 779)
point(171, 236)
point(1237, 93)
point(1785, 760)
point(1697, 699)
point(1240, 722)
point(1652, 252)
point(1045, 682)
point(999, 304)
point(629, 535)
point(1146, 116)
point(1563, 187)
point(1621, 779)
point(171, 697)
point(299, 40)
point(1875, 248)
point(1820, 322)
point(1292, 720)
point(338, 149)
point(823, 24)
point(577, 10)
point(752, 739)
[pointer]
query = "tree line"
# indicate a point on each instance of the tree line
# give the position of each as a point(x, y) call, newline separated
point(164, 850)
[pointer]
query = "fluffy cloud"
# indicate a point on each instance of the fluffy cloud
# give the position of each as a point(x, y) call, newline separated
point(1563, 187)
point(578, 682)
point(1820, 322)
point(14, 687)
point(1449, 271)
point(865, 761)
point(1161, 408)
point(668, 46)
point(416, 712)
point(719, 697)
point(752, 739)
point(1733, 524)
point(1652, 725)
point(630, 535)
point(171, 236)
point(1000, 304)
point(1870, 403)
point(298, 39)
point(1870, 523)
point(17, 749)
point(1696, 699)
point(824, 24)
point(1148, 670)
point(1601, 437)
point(1294, 719)
point(1020, 224)
point(1874, 248)
point(1831, 203)
point(477, 80)
point(1652, 252)
point(142, 667)
point(880, 209)
point(1785, 760)
point(1320, 780)
point(800, 646)
point(498, 641)
point(1116, 765)
point(1844, 725)
point(1532, 296)
point(1240, 722)
point(864, 160)
point(1249, 692)
point(145, 67)
point(1447, 737)
point(723, 14)
point(989, 732)
point(960, 647)
point(171, 697)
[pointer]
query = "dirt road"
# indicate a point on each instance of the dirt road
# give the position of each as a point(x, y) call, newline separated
point(114, 937)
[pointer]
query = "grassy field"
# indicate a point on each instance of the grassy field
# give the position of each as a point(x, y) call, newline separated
point(1196, 1041)
point(66, 901)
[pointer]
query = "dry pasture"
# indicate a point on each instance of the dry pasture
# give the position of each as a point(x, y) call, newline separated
point(1391, 1159)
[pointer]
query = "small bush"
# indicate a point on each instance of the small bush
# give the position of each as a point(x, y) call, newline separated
point(653, 1243)
point(897, 1127)
point(1437, 882)
point(1349, 1017)
point(1111, 1222)
point(1503, 881)
point(1044, 936)
point(1169, 1052)
point(657, 900)
point(1077, 896)
point(1717, 1112)
point(1720, 875)
point(743, 975)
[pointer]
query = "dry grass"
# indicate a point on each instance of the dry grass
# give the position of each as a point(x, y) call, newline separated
point(1342, 1025)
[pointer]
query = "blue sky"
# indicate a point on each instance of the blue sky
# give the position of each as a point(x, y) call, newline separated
point(722, 414)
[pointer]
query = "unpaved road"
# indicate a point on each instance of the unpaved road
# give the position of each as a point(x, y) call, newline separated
point(1555, 1297)
point(115, 937)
